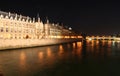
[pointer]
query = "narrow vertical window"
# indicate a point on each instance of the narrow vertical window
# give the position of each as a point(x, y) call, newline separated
point(6, 29)
point(1, 29)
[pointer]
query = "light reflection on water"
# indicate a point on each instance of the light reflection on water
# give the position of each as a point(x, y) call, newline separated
point(95, 57)
point(40, 55)
point(22, 60)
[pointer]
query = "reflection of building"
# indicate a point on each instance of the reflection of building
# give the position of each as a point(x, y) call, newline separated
point(13, 26)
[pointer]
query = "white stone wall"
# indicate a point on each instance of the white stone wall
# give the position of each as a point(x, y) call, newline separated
point(21, 43)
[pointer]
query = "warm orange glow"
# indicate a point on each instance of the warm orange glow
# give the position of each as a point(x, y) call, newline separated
point(103, 36)
point(67, 37)
point(49, 52)
point(40, 54)
point(93, 43)
point(93, 36)
point(103, 42)
point(22, 58)
point(61, 48)
point(79, 44)
point(97, 36)
point(61, 51)
point(109, 43)
point(97, 42)
point(89, 39)
point(73, 36)
point(74, 45)
point(79, 52)
point(79, 36)
point(55, 36)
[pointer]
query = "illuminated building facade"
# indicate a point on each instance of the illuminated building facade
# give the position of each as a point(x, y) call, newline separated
point(14, 26)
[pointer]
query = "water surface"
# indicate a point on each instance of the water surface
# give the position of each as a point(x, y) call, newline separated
point(93, 58)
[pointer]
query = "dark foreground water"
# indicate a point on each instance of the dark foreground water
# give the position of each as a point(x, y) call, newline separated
point(90, 58)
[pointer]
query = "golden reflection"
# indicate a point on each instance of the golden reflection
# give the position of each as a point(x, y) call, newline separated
point(22, 59)
point(49, 52)
point(109, 49)
point(61, 49)
point(103, 42)
point(79, 50)
point(61, 52)
point(40, 54)
point(92, 43)
point(92, 46)
point(22, 56)
point(87, 41)
point(97, 42)
point(74, 45)
point(79, 44)
point(50, 55)
point(109, 43)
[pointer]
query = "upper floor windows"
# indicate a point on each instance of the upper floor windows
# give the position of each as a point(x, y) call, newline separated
point(1, 29)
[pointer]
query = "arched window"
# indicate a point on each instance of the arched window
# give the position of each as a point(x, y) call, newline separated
point(6, 29)
point(1, 29)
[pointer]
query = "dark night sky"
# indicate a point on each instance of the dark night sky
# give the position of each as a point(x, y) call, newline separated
point(93, 17)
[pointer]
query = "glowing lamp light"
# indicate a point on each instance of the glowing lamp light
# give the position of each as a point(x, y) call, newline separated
point(90, 39)
point(70, 28)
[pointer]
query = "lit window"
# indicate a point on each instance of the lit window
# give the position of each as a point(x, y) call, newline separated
point(6, 29)
point(1, 29)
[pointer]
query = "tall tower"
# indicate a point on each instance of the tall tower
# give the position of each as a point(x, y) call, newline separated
point(47, 28)
point(47, 21)
point(38, 18)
